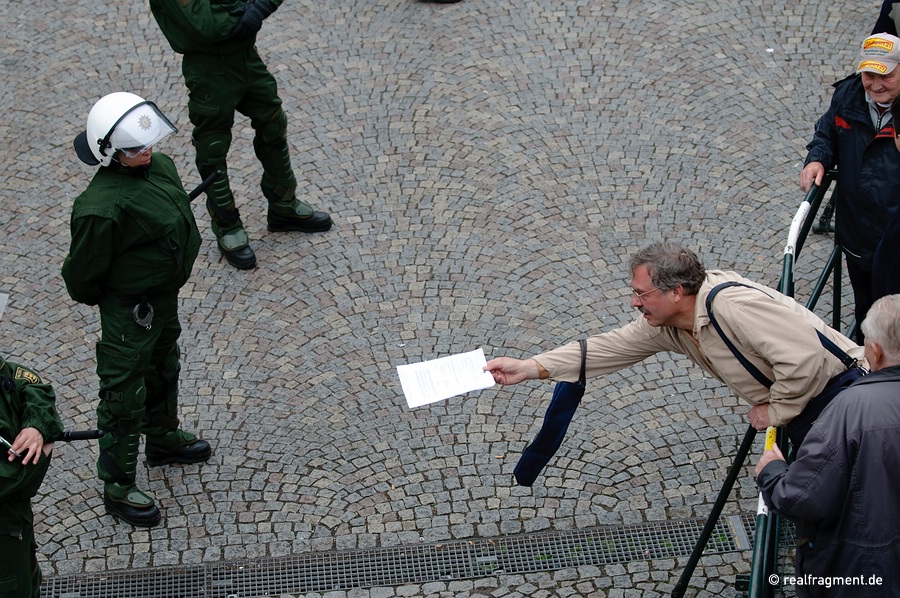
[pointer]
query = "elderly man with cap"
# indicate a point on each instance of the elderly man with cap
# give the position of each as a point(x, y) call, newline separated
point(856, 135)
point(134, 242)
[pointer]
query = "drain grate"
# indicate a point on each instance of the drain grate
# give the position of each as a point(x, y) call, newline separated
point(344, 570)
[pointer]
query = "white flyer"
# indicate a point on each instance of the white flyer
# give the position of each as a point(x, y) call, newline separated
point(438, 379)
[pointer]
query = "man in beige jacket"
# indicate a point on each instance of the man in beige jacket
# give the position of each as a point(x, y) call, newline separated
point(776, 335)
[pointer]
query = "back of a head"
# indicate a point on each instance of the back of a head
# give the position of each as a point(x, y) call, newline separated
point(670, 265)
point(882, 326)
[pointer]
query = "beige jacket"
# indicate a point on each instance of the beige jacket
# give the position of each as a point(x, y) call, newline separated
point(774, 333)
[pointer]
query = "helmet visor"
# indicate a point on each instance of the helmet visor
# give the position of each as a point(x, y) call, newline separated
point(139, 129)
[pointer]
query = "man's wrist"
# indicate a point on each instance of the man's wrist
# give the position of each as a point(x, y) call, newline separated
point(540, 371)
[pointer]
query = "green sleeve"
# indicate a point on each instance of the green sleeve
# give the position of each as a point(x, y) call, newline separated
point(39, 405)
point(28, 403)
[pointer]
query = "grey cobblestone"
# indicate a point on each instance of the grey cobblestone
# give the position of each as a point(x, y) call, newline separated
point(489, 166)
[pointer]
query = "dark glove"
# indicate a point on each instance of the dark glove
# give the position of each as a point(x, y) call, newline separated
point(252, 15)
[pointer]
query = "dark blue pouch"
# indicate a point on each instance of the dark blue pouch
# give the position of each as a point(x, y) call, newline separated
point(566, 397)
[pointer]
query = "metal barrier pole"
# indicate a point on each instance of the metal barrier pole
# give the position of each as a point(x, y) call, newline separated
point(767, 537)
point(713, 518)
point(760, 564)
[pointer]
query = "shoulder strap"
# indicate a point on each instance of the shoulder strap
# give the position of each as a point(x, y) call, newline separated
point(842, 355)
point(849, 362)
point(754, 371)
point(582, 378)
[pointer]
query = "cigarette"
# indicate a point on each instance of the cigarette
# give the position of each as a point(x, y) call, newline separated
point(9, 447)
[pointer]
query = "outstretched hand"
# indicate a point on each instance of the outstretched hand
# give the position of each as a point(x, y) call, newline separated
point(507, 370)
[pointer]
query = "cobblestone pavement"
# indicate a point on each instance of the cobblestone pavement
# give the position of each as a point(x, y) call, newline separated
point(489, 166)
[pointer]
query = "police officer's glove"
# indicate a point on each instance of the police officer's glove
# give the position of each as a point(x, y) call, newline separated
point(252, 15)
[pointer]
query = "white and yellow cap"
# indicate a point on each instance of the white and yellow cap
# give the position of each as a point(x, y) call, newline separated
point(879, 54)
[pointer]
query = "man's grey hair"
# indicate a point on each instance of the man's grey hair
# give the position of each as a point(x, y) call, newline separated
point(670, 265)
point(882, 326)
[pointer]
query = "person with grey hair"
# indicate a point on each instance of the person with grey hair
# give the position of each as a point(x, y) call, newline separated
point(843, 491)
point(767, 348)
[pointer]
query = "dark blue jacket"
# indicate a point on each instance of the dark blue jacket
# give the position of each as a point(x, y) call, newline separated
point(843, 490)
point(868, 166)
point(885, 22)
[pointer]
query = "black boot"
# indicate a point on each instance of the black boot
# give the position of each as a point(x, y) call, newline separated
point(242, 259)
point(176, 446)
point(234, 243)
point(296, 215)
point(226, 224)
point(129, 504)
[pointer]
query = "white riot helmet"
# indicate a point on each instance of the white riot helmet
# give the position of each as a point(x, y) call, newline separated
point(124, 122)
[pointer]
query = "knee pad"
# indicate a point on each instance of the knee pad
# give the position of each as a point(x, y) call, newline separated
point(119, 416)
point(275, 129)
point(162, 392)
point(123, 409)
point(212, 150)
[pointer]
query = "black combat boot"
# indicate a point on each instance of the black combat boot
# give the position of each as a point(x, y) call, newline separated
point(129, 504)
point(176, 446)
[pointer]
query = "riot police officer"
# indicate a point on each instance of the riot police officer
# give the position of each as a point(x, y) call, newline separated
point(134, 242)
point(224, 73)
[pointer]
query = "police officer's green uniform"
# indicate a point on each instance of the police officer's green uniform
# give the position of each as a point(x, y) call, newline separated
point(25, 402)
point(224, 73)
point(134, 242)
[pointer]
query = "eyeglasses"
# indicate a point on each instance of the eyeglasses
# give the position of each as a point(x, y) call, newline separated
point(134, 152)
point(640, 296)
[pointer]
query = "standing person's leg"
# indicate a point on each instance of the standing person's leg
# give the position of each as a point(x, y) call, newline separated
point(861, 281)
point(886, 265)
point(263, 106)
point(123, 354)
point(20, 576)
point(37, 576)
point(213, 93)
point(166, 443)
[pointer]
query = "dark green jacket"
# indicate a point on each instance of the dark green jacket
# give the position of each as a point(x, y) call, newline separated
point(201, 26)
point(132, 235)
point(25, 402)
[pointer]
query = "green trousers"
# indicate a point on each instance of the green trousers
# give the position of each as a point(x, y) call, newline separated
point(218, 87)
point(138, 367)
point(20, 576)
